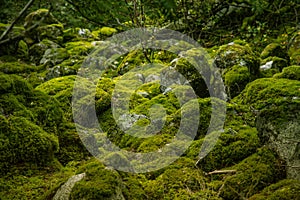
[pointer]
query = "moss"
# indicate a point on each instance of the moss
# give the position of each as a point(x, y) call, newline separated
point(196, 80)
point(269, 91)
point(235, 54)
point(182, 183)
point(283, 190)
point(13, 84)
point(80, 48)
point(77, 34)
point(252, 175)
point(291, 72)
point(236, 80)
point(53, 32)
point(31, 35)
point(130, 61)
point(61, 89)
point(23, 50)
point(71, 146)
point(274, 50)
point(104, 32)
point(232, 146)
point(24, 142)
point(34, 182)
point(295, 58)
point(133, 188)
point(277, 64)
point(54, 56)
point(37, 51)
point(99, 183)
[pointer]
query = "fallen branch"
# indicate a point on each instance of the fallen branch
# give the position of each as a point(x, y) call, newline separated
point(221, 172)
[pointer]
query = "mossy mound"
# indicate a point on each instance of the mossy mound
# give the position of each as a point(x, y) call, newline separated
point(25, 142)
point(236, 79)
point(71, 148)
point(54, 56)
point(252, 175)
point(235, 54)
point(77, 34)
point(291, 72)
point(37, 50)
point(269, 91)
point(274, 50)
point(99, 183)
point(53, 32)
point(61, 89)
point(80, 48)
point(181, 183)
point(232, 146)
point(272, 65)
point(283, 190)
point(104, 32)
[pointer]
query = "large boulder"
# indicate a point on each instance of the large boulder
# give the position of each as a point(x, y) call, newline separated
point(277, 103)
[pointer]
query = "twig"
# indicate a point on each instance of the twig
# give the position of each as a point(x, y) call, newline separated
point(221, 172)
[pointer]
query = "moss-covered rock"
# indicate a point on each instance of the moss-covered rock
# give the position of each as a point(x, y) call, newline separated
point(23, 50)
point(272, 65)
point(234, 145)
point(24, 142)
point(236, 79)
point(53, 32)
point(252, 175)
point(71, 147)
point(37, 51)
point(181, 183)
point(269, 91)
point(274, 50)
point(37, 18)
point(99, 183)
point(295, 58)
point(77, 34)
point(80, 48)
point(283, 190)
point(279, 128)
point(61, 88)
point(291, 72)
point(54, 56)
point(104, 32)
point(277, 104)
point(235, 54)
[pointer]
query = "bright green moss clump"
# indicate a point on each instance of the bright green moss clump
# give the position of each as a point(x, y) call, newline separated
point(236, 79)
point(24, 142)
point(292, 72)
point(99, 183)
point(268, 91)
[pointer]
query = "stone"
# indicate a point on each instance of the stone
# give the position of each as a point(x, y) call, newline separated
point(63, 193)
point(54, 56)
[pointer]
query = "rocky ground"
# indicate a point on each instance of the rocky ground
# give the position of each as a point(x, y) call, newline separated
point(43, 157)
